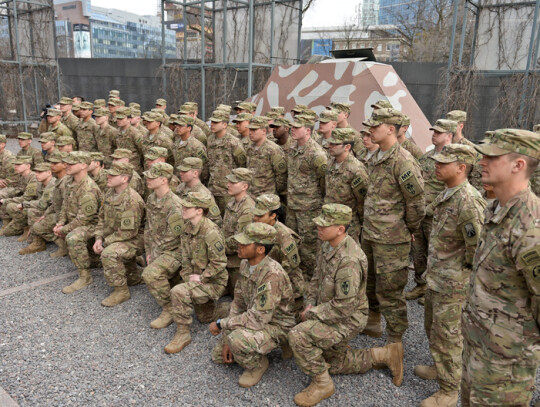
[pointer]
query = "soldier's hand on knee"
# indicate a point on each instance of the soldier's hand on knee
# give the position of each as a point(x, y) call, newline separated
point(304, 312)
point(148, 258)
point(195, 278)
point(226, 354)
point(98, 246)
point(214, 329)
point(3, 183)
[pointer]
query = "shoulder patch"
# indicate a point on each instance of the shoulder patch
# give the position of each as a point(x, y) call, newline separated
point(469, 230)
point(406, 175)
point(290, 248)
point(531, 257)
point(176, 224)
point(128, 221)
point(214, 210)
point(262, 288)
point(219, 246)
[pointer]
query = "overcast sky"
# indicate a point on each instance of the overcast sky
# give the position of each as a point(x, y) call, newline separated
point(322, 13)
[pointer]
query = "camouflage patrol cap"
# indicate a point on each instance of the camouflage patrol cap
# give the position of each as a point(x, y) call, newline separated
point(152, 117)
point(258, 122)
point(78, 157)
point(187, 108)
point(97, 156)
point(220, 116)
point(380, 116)
point(53, 112)
point(301, 120)
point(281, 122)
point(47, 136)
point(3, 138)
point(406, 120)
point(87, 106)
point(64, 141)
point(64, 100)
point(310, 113)
point(278, 109)
point(242, 117)
point(226, 108)
point(134, 112)
point(115, 102)
point(365, 131)
point(257, 232)
point(156, 152)
point(161, 102)
point(192, 104)
point(272, 115)
point(243, 106)
point(123, 112)
point(134, 105)
point(334, 214)
point(536, 128)
point(56, 156)
point(299, 108)
point(184, 120)
point(42, 167)
point(240, 175)
point(266, 203)
point(120, 169)
point(444, 126)
point(457, 116)
point(23, 135)
point(382, 104)
point(190, 163)
point(159, 170)
point(22, 159)
point(456, 153)
point(100, 102)
point(328, 116)
point(340, 107)
point(340, 136)
point(99, 112)
point(197, 200)
point(76, 107)
point(504, 141)
point(121, 153)
point(114, 93)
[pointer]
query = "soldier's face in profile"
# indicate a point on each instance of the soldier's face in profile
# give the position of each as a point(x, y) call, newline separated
point(189, 213)
point(247, 251)
point(242, 125)
point(24, 143)
point(445, 171)
point(326, 127)
point(122, 122)
point(257, 135)
point(336, 149)
point(42, 175)
point(73, 169)
point(187, 176)
point(2, 147)
point(379, 133)
point(266, 218)
point(114, 181)
point(64, 108)
point(20, 168)
point(101, 119)
point(495, 169)
point(326, 233)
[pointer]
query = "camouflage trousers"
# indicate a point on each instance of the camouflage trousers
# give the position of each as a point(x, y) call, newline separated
point(7, 192)
point(387, 278)
point(19, 218)
point(157, 275)
point(489, 378)
point(44, 227)
point(79, 243)
point(234, 275)
point(419, 250)
point(33, 214)
point(119, 264)
point(302, 223)
point(442, 321)
point(249, 346)
point(318, 346)
point(185, 296)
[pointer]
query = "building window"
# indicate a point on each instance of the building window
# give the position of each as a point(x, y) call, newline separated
point(379, 47)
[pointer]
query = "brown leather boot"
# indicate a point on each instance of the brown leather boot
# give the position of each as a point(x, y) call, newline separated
point(426, 372)
point(164, 319)
point(441, 399)
point(181, 339)
point(62, 248)
point(38, 245)
point(373, 327)
point(320, 388)
point(24, 237)
point(251, 377)
point(118, 296)
point(84, 280)
point(392, 356)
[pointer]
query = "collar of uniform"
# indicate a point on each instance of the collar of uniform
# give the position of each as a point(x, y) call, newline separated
point(234, 206)
point(195, 229)
point(255, 275)
point(499, 216)
point(387, 154)
point(334, 250)
point(442, 198)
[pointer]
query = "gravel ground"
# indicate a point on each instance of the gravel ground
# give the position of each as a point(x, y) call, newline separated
point(68, 350)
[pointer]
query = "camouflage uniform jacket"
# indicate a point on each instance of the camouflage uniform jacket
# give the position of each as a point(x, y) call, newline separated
point(160, 139)
point(306, 167)
point(45, 196)
point(365, 157)
point(189, 148)
point(394, 204)
point(112, 121)
point(131, 140)
point(337, 290)
point(224, 154)
point(503, 312)
point(57, 198)
point(100, 180)
point(62, 130)
point(412, 148)
point(71, 122)
point(37, 156)
point(164, 226)
point(214, 213)
point(141, 129)
point(346, 184)
point(285, 252)
point(81, 205)
point(457, 222)
point(30, 190)
point(263, 297)
point(236, 217)
point(269, 168)
point(138, 184)
point(104, 140)
point(121, 217)
point(7, 171)
point(197, 132)
point(358, 148)
point(87, 134)
point(203, 253)
point(534, 181)
point(287, 146)
point(475, 177)
point(203, 126)
point(432, 186)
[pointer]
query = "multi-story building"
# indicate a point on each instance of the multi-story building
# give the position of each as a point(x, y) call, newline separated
point(368, 13)
point(399, 12)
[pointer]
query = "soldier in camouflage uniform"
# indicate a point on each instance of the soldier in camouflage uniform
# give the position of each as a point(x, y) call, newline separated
point(87, 131)
point(196, 131)
point(261, 313)
point(502, 317)
point(190, 173)
point(128, 138)
point(65, 144)
point(119, 233)
point(7, 171)
point(161, 104)
point(370, 147)
point(534, 181)
point(96, 171)
point(393, 211)
point(457, 221)
point(55, 124)
point(242, 126)
point(123, 155)
point(136, 120)
point(406, 142)
point(160, 155)
point(238, 214)
point(298, 109)
point(225, 152)
point(282, 129)
point(193, 109)
point(306, 166)
point(106, 135)
point(344, 111)
point(99, 103)
point(336, 312)
point(327, 123)
point(346, 178)
point(266, 160)
point(162, 240)
point(13, 220)
point(48, 143)
point(68, 118)
point(443, 131)
point(185, 145)
point(25, 141)
point(156, 136)
point(78, 217)
point(203, 269)
point(114, 104)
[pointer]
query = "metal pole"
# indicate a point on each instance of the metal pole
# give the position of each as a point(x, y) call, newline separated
point(185, 51)
point(16, 28)
point(250, 61)
point(451, 55)
point(56, 54)
point(299, 41)
point(463, 30)
point(522, 120)
point(224, 45)
point(475, 34)
point(163, 50)
point(203, 51)
point(272, 31)
point(33, 51)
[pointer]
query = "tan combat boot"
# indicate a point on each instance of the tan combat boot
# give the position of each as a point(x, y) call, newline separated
point(251, 377)
point(24, 237)
point(392, 356)
point(38, 245)
point(426, 372)
point(320, 388)
point(416, 292)
point(441, 399)
point(422, 301)
point(181, 339)
point(205, 312)
point(118, 296)
point(164, 319)
point(62, 248)
point(373, 327)
point(84, 280)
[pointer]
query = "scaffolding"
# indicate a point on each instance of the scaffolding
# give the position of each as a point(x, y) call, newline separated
point(28, 60)
point(220, 11)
